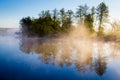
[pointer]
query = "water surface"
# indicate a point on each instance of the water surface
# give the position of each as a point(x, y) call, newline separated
point(44, 59)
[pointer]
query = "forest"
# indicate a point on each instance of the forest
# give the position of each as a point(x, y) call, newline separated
point(59, 22)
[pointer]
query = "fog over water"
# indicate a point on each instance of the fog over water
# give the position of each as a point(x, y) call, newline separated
point(78, 55)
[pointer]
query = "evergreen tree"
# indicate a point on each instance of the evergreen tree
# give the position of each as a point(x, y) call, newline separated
point(102, 15)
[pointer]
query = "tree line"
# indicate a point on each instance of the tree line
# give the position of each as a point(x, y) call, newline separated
point(61, 21)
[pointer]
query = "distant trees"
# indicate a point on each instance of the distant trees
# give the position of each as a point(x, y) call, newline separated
point(66, 19)
point(102, 15)
point(89, 22)
point(81, 12)
point(26, 25)
point(70, 16)
point(60, 21)
point(86, 16)
point(62, 17)
point(55, 15)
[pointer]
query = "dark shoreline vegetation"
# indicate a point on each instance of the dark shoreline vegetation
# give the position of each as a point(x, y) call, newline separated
point(57, 23)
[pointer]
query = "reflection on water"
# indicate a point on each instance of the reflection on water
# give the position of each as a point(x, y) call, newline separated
point(58, 59)
point(84, 55)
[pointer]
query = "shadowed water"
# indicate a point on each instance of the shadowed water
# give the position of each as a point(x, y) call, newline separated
point(57, 59)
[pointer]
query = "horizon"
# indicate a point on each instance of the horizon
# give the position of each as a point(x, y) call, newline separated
point(14, 10)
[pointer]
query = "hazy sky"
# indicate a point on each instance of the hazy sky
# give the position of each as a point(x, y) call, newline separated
point(11, 11)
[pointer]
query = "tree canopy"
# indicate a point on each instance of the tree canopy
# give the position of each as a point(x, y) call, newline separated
point(61, 21)
point(102, 15)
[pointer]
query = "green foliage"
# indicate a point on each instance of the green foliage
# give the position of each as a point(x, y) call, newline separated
point(26, 25)
point(59, 22)
point(82, 11)
point(86, 17)
point(89, 22)
point(102, 15)
point(47, 24)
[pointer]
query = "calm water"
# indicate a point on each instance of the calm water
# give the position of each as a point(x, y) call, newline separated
point(42, 59)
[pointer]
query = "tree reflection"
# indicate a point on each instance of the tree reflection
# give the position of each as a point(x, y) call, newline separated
point(62, 52)
point(100, 60)
point(100, 65)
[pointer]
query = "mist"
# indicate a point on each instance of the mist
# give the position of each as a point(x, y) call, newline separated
point(78, 41)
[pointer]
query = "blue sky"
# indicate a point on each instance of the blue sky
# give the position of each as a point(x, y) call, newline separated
point(11, 11)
